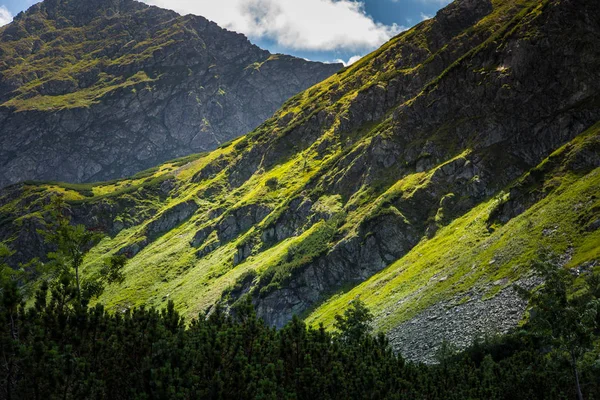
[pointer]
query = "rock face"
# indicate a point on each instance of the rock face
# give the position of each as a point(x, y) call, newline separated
point(95, 89)
point(424, 178)
point(171, 217)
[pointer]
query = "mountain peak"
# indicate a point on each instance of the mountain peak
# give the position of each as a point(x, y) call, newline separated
point(99, 65)
point(82, 12)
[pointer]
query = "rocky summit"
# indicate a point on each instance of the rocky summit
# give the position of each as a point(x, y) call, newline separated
point(426, 179)
point(99, 89)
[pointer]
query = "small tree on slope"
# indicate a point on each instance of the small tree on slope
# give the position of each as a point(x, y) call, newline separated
point(72, 243)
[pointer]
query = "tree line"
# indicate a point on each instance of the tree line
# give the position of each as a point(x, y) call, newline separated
point(55, 346)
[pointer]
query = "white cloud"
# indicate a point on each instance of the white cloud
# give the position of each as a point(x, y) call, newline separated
point(316, 25)
point(5, 16)
point(425, 16)
point(350, 61)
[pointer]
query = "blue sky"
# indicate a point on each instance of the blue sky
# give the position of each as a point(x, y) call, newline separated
point(14, 6)
point(323, 30)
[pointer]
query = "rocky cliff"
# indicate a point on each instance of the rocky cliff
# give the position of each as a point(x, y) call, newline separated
point(98, 89)
point(426, 179)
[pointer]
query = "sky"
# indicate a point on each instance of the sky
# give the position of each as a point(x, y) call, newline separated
point(320, 30)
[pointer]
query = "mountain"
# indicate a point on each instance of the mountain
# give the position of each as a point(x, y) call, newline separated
point(98, 89)
point(427, 179)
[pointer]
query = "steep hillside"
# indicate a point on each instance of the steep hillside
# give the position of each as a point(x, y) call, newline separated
point(99, 89)
point(426, 178)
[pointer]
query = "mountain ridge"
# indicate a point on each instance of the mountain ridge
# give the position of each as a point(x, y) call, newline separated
point(428, 176)
point(104, 91)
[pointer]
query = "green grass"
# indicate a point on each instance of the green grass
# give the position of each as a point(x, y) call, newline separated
point(79, 99)
point(466, 253)
point(75, 58)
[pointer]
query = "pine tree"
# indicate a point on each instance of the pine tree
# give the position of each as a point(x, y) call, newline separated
point(355, 323)
point(567, 321)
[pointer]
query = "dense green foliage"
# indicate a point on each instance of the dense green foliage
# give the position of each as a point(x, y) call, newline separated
point(57, 349)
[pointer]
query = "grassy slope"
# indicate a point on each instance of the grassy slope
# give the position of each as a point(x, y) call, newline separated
point(90, 61)
point(461, 253)
point(168, 267)
point(67, 59)
point(465, 253)
point(470, 252)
